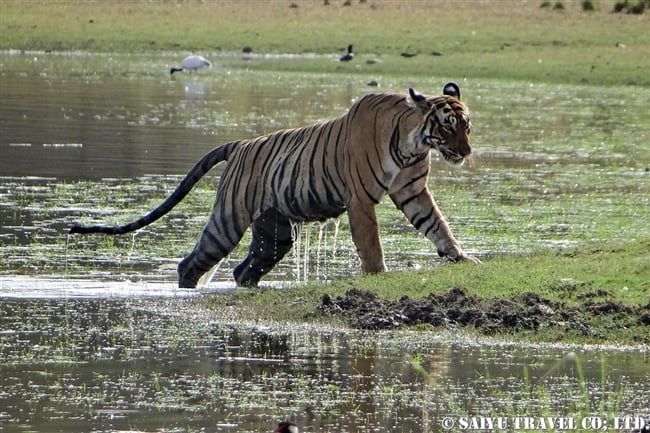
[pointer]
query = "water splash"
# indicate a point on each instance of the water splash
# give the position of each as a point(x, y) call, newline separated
point(326, 241)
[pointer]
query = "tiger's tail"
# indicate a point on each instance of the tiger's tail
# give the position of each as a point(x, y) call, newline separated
point(199, 170)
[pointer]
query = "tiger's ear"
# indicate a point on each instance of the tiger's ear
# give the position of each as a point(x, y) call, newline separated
point(451, 89)
point(418, 101)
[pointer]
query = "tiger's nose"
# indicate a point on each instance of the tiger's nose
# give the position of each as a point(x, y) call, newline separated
point(463, 146)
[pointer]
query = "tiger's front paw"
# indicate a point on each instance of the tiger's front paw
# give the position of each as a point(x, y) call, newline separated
point(469, 258)
point(460, 256)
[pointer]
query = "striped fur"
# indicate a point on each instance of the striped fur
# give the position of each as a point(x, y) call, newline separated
point(381, 146)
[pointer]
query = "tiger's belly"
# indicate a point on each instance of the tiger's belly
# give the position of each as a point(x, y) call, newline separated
point(310, 208)
point(308, 201)
point(306, 185)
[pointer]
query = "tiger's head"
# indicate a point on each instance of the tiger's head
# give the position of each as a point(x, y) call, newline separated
point(445, 124)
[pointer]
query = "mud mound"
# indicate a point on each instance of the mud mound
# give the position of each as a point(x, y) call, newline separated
point(454, 309)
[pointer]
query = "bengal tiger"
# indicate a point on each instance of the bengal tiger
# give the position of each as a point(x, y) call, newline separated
point(381, 145)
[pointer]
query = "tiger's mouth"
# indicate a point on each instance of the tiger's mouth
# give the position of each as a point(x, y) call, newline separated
point(452, 157)
point(457, 161)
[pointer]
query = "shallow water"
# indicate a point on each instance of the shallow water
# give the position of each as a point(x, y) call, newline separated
point(169, 365)
point(94, 335)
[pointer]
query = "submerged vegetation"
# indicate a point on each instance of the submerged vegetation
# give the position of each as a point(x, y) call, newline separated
point(593, 293)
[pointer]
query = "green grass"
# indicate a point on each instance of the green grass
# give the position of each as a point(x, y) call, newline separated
point(499, 39)
point(540, 273)
point(619, 270)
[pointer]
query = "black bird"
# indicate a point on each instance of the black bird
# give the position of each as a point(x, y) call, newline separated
point(349, 56)
point(286, 427)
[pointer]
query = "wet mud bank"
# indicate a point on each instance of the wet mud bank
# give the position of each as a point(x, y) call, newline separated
point(594, 315)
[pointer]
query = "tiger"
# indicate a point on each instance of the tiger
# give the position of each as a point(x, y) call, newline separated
point(381, 145)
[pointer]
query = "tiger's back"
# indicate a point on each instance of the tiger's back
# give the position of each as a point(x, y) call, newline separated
point(292, 170)
point(307, 171)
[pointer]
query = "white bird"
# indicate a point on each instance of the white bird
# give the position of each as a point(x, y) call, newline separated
point(192, 63)
point(349, 56)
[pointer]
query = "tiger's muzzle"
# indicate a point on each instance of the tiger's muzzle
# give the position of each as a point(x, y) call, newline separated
point(454, 157)
point(459, 149)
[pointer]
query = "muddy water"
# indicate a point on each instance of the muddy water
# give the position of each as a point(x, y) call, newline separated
point(90, 333)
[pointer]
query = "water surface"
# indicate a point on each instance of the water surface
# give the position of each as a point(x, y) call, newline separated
point(169, 365)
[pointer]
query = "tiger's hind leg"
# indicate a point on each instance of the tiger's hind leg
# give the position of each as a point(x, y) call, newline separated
point(218, 239)
point(271, 241)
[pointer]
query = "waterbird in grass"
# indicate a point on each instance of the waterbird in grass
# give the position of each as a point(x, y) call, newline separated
point(349, 56)
point(286, 427)
point(192, 63)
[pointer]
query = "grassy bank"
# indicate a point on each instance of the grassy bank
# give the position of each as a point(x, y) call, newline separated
point(598, 295)
point(497, 39)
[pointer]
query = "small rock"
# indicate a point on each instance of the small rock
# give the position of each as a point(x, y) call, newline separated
point(645, 319)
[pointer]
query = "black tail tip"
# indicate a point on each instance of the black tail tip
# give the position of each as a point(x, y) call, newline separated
point(76, 229)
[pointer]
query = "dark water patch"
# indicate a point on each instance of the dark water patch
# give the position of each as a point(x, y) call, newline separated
point(95, 122)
